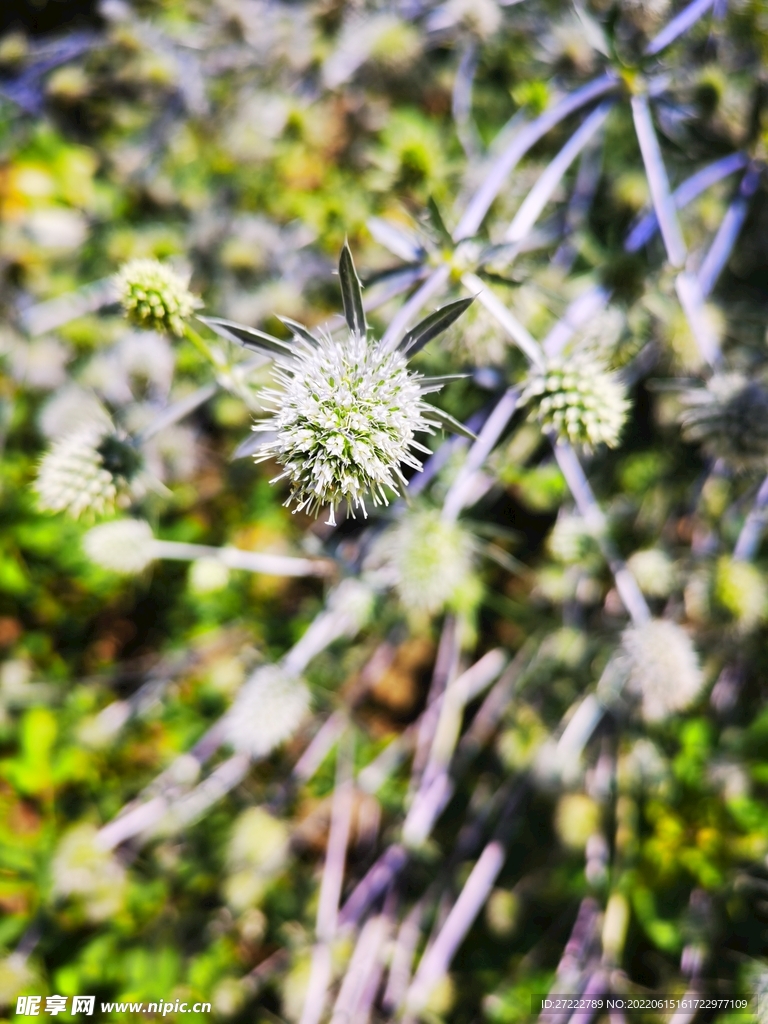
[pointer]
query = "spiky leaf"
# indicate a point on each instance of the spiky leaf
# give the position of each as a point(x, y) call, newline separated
point(434, 324)
point(351, 293)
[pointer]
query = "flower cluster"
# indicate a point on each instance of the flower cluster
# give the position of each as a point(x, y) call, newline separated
point(88, 471)
point(124, 545)
point(154, 296)
point(268, 710)
point(578, 398)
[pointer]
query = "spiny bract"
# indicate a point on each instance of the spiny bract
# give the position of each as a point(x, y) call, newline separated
point(87, 471)
point(663, 668)
point(730, 417)
point(344, 421)
point(579, 398)
point(154, 296)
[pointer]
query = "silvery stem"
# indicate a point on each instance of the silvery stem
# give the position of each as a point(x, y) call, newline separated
point(342, 617)
point(374, 883)
point(692, 300)
point(320, 971)
point(364, 967)
point(522, 338)
point(754, 524)
point(192, 806)
point(679, 24)
point(684, 194)
point(406, 942)
point(492, 430)
point(550, 178)
point(584, 190)
point(658, 181)
point(437, 960)
point(730, 227)
point(235, 558)
point(317, 751)
point(597, 986)
point(462, 102)
point(519, 145)
point(446, 666)
point(338, 838)
point(626, 585)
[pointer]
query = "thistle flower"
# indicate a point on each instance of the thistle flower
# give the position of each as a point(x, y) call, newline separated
point(662, 668)
point(88, 471)
point(346, 409)
point(579, 399)
point(81, 868)
point(154, 296)
point(430, 560)
point(124, 546)
point(571, 541)
point(730, 418)
point(267, 711)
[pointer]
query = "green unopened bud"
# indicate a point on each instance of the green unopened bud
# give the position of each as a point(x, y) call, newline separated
point(154, 296)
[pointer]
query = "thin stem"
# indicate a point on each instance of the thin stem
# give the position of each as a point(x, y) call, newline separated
point(202, 346)
point(588, 305)
point(752, 530)
point(521, 337)
point(250, 561)
point(728, 232)
point(550, 178)
point(401, 321)
point(462, 101)
point(519, 145)
point(686, 19)
point(658, 181)
point(177, 412)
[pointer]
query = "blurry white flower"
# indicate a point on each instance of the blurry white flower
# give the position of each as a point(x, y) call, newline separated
point(654, 571)
point(142, 362)
point(88, 471)
point(480, 17)
point(268, 710)
point(258, 850)
point(56, 229)
point(643, 765)
point(572, 541)
point(579, 398)
point(82, 868)
point(207, 575)
point(663, 668)
point(431, 560)
point(124, 546)
point(68, 409)
point(40, 363)
point(155, 296)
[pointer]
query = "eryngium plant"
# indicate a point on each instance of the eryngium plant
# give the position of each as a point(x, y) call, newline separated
point(346, 408)
point(578, 398)
point(154, 296)
point(730, 418)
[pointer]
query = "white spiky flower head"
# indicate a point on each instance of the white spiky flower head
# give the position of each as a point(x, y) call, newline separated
point(154, 296)
point(347, 408)
point(267, 711)
point(431, 560)
point(730, 418)
point(88, 471)
point(578, 398)
point(124, 545)
point(82, 868)
point(662, 668)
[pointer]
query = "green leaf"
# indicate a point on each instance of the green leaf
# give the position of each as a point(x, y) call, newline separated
point(437, 223)
point(433, 325)
point(449, 423)
point(351, 293)
point(298, 329)
point(250, 337)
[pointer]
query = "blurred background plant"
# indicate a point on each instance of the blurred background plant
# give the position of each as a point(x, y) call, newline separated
point(505, 735)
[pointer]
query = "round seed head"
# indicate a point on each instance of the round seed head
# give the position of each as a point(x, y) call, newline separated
point(431, 560)
point(154, 296)
point(578, 398)
point(662, 668)
point(345, 417)
point(88, 471)
point(267, 711)
point(124, 546)
point(730, 418)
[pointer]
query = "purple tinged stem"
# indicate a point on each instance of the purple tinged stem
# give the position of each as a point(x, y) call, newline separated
point(684, 194)
point(401, 321)
point(752, 530)
point(686, 19)
point(730, 227)
point(658, 181)
point(519, 145)
point(580, 312)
